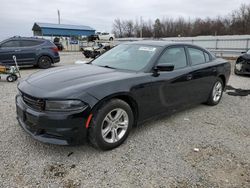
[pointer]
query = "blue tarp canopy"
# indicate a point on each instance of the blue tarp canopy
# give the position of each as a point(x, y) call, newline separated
point(48, 29)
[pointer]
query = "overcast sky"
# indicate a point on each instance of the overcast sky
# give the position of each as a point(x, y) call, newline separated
point(17, 16)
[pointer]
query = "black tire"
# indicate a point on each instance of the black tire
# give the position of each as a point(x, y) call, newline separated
point(44, 62)
point(111, 39)
point(15, 77)
point(10, 78)
point(235, 71)
point(211, 100)
point(97, 124)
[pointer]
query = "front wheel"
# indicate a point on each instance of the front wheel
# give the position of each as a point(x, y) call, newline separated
point(216, 93)
point(111, 124)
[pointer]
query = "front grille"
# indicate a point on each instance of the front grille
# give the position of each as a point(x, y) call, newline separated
point(33, 102)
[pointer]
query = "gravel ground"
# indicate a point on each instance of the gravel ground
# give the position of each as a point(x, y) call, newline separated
point(199, 147)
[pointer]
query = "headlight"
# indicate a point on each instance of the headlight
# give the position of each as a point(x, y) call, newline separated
point(65, 105)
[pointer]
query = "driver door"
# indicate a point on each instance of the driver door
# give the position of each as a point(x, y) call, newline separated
point(7, 50)
point(171, 90)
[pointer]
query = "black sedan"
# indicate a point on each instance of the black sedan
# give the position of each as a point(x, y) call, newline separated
point(242, 65)
point(129, 84)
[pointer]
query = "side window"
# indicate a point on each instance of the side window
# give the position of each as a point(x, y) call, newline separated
point(207, 57)
point(29, 43)
point(11, 44)
point(175, 56)
point(197, 56)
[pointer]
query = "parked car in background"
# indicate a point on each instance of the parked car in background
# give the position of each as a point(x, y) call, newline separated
point(242, 64)
point(29, 51)
point(58, 43)
point(128, 84)
point(105, 36)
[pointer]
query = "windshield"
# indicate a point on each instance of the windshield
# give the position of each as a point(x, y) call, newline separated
point(132, 57)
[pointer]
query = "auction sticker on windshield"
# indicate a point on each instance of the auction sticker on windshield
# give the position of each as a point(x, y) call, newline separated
point(149, 49)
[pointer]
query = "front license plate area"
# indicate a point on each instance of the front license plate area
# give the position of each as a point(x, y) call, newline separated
point(21, 114)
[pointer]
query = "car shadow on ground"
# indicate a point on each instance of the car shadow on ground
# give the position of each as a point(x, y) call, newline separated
point(230, 90)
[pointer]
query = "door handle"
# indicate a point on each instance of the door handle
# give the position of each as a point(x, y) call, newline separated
point(214, 70)
point(189, 77)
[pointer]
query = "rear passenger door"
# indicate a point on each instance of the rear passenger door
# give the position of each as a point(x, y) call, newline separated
point(27, 52)
point(203, 73)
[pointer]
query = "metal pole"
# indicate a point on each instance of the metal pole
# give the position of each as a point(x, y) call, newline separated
point(59, 18)
point(141, 28)
point(247, 46)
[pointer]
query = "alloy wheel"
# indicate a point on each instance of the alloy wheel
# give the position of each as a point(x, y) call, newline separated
point(217, 91)
point(115, 125)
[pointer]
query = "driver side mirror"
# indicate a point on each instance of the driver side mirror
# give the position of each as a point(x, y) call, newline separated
point(164, 67)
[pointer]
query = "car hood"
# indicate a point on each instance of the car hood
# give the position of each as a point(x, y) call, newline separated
point(64, 82)
point(246, 56)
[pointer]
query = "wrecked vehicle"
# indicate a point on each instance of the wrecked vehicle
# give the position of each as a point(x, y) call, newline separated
point(96, 50)
point(242, 65)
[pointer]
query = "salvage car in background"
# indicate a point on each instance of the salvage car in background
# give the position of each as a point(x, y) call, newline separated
point(242, 64)
point(58, 43)
point(128, 84)
point(29, 51)
point(96, 50)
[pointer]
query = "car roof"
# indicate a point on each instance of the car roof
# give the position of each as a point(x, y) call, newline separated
point(25, 38)
point(161, 43)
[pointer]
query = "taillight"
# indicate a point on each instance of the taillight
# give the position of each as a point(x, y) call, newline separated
point(55, 49)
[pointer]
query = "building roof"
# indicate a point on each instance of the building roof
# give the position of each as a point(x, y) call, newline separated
point(63, 26)
point(49, 29)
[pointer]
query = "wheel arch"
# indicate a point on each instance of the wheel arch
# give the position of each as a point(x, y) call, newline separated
point(126, 97)
point(223, 78)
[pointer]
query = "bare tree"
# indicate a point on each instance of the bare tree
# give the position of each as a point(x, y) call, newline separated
point(238, 22)
point(117, 28)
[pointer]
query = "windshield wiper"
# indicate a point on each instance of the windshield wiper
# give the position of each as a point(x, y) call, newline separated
point(106, 66)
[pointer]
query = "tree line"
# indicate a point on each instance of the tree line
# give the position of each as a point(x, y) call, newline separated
point(236, 23)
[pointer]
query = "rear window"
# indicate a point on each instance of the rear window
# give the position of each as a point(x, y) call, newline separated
point(197, 56)
point(28, 43)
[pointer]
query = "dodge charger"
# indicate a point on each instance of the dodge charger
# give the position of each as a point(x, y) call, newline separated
point(102, 100)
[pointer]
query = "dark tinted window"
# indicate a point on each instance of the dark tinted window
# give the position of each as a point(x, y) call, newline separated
point(175, 56)
point(27, 43)
point(196, 56)
point(11, 44)
point(207, 57)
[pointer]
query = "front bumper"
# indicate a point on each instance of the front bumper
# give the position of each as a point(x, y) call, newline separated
point(242, 67)
point(61, 128)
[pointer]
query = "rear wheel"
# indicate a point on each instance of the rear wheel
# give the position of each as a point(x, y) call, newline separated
point(216, 93)
point(44, 62)
point(111, 39)
point(111, 124)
